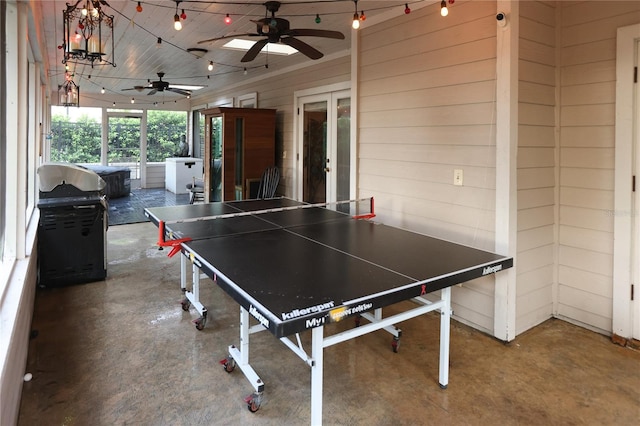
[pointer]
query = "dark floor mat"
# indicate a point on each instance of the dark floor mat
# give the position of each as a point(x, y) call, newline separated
point(130, 209)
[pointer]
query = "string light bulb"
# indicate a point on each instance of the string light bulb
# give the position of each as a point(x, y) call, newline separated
point(176, 22)
point(210, 67)
point(443, 8)
point(133, 101)
point(318, 20)
point(102, 91)
point(183, 15)
point(159, 43)
point(356, 21)
point(362, 15)
point(227, 19)
point(407, 9)
point(139, 7)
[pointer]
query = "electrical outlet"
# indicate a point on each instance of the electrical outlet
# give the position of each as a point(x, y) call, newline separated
point(457, 177)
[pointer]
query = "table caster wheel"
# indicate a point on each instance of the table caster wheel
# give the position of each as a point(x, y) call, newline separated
point(185, 304)
point(229, 364)
point(200, 323)
point(254, 401)
point(395, 344)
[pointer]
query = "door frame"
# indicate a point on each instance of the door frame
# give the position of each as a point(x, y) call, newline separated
point(626, 312)
point(142, 115)
point(300, 97)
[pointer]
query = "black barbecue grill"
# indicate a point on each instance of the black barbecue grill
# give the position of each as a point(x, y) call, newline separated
point(73, 225)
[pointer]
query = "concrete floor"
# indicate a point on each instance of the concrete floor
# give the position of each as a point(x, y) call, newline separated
point(123, 352)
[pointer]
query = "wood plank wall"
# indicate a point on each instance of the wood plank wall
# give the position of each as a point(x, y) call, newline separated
point(587, 119)
point(536, 164)
point(427, 107)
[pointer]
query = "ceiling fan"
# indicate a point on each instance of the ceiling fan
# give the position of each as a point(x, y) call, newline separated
point(161, 86)
point(278, 30)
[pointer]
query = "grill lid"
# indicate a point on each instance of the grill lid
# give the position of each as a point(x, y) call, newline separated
point(52, 175)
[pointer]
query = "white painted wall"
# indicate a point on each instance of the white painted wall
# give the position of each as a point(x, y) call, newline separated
point(537, 168)
point(427, 92)
point(587, 133)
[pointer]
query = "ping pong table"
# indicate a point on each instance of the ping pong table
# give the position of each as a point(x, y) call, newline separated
point(296, 267)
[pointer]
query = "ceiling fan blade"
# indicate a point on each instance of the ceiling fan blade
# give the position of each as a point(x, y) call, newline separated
point(228, 36)
point(179, 91)
point(153, 92)
point(255, 49)
point(138, 88)
point(305, 32)
point(302, 47)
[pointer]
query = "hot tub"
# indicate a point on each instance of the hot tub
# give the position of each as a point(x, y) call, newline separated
point(118, 179)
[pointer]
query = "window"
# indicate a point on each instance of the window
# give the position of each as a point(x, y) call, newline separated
point(76, 135)
point(198, 134)
point(165, 131)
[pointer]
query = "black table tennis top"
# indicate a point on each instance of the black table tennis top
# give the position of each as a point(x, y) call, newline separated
point(298, 269)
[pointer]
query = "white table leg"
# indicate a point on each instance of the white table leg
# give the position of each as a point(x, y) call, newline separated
point(317, 351)
point(183, 272)
point(445, 331)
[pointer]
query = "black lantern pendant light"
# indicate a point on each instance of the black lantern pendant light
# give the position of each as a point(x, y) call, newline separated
point(88, 33)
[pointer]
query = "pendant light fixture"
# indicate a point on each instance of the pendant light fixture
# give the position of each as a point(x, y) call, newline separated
point(69, 92)
point(88, 34)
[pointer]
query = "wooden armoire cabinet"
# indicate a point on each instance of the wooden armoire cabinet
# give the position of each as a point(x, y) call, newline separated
point(239, 146)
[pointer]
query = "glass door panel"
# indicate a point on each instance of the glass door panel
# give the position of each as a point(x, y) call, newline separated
point(314, 154)
point(215, 183)
point(343, 149)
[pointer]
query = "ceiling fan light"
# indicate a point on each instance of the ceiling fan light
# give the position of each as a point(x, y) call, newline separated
point(176, 23)
point(265, 29)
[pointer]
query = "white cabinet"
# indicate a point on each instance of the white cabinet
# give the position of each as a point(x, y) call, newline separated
point(180, 171)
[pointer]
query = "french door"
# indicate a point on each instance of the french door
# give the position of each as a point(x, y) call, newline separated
point(324, 147)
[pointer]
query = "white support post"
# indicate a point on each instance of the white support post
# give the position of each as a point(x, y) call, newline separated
point(506, 167)
point(317, 352)
point(445, 333)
